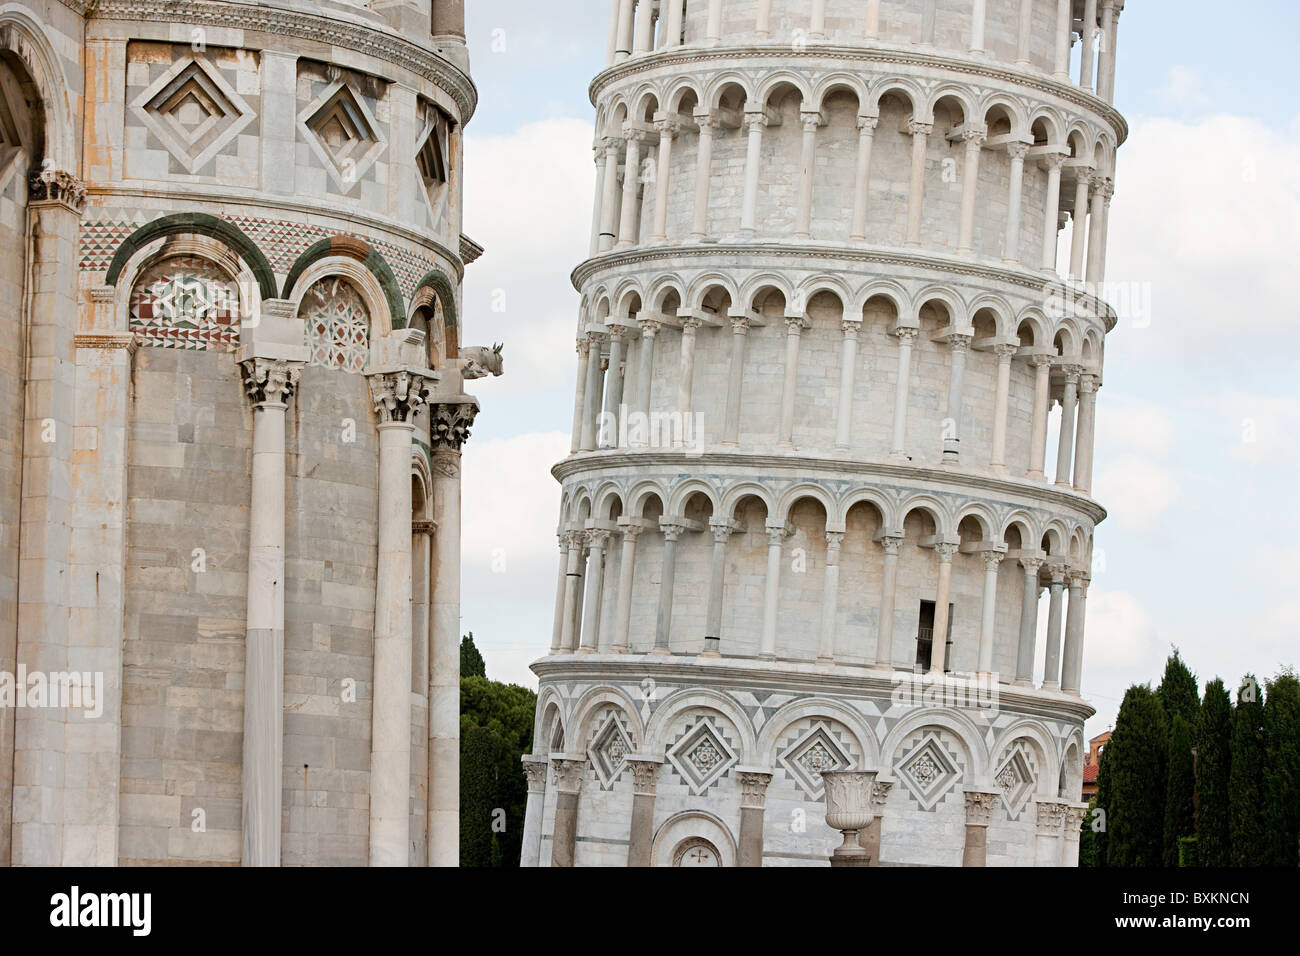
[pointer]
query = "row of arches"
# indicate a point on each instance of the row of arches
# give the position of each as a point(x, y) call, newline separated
point(893, 579)
point(988, 175)
point(1030, 34)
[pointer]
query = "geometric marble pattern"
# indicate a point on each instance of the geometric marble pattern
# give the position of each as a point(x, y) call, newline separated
point(338, 325)
point(609, 749)
point(193, 110)
point(341, 131)
point(702, 755)
point(928, 771)
point(1015, 777)
point(817, 750)
point(185, 302)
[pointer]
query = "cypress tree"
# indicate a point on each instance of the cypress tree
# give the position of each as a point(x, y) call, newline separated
point(1213, 736)
point(1088, 839)
point(1180, 818)
point(1246, 778)
point(478, 780)
point(471, 661)
point(1135, 764)
point(1177, 692)
point(1282, 769)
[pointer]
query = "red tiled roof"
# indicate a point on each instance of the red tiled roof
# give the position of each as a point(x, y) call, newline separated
point(1090, 773)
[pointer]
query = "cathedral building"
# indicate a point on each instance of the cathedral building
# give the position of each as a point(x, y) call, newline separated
point(846, 277)
point(232, 374)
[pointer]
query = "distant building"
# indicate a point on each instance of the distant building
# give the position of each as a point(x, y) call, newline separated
point(1093, 764)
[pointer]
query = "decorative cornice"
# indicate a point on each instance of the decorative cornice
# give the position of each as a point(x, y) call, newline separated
point(946, 479)
point(259, 18)
point(681, 59)
point(469, 249)
point(57, 186)
point(621, 260)
point(105, 340)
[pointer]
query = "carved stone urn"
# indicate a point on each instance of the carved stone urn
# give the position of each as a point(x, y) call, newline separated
point(849, 809)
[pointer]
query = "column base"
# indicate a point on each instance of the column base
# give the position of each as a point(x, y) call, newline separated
point(901, 457)
point(767, 657)
point(785, 446)
point(998, 469)
point(1010, 261)
point(658, 239)
point(661, 651)
point(826, 660)
point(857, 238)
point(619, 649)
point(1022, 682)
point(1063, 484)
point(1035, 476)
point(1050, 685)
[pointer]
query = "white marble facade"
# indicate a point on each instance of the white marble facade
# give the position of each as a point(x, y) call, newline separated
point(846, 275)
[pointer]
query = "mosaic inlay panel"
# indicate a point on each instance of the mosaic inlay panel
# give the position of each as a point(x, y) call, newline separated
point(338, 325)
point(809, 754)
point(1015, 777)
point(186, 303)
point(929, 771)
point(702, 755)
point(608, 751)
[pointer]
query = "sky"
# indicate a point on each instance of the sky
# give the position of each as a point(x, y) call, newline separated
point(1198, 431)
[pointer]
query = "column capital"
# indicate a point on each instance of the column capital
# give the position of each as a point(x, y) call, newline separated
point(634, 134)
point(811, 120)
point(960, 341)
point(1076, 578)
point(1050, 815)
point(1018, 151)
point(993, 559)
point(721, 532)
point(753, 788)
point(596, 538)
point(583, 345)
point(649, 326)
point(670, 530)
point(1057, 571)
point(739, 324)
point(892, 544)
point(945, 551)
point(450, 422)
point(645, 774)
point(776, 535)
point(1075, 814)
point(755, 119)
point(794, 324)
point(834, 539)
point(906, 336)
point(1005, 353)
point(270, 381)
point(879, 794)
point(668, 126)
point(979, 806)
point(57, 186)
point(575, 539)
point(691, 324)
point(919, 129)
point(705, 120)
point(1088, 384)
point(535, 769)
point(975, 137)
point(1053, 161)
point(1032, 565)
point(1040, 361)
point(1072, 373)
point(868, 124)
point(632, 531)
point(851, 328)
point(611, 144)
point(398, 395)
point(1083, 177)
point(568, 773)
point(617, 333)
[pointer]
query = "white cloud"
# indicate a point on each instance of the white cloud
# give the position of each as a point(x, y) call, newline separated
point(511, 502)
point(1130, 424)
point(1183, 89)
point(1137, 491)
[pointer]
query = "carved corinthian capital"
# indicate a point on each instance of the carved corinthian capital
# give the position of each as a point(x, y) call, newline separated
point(398, 395)
point(645, 775)
point(57, 186)
point(450, 422)
point(979, 807)
point(753, 788)
point(270, 380)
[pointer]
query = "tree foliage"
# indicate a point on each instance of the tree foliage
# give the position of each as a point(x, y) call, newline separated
point(1281, 776)
point(471, 661)
point(1135, 760)
point(1180, 791)
point(1246, 778)
point(1177, 692)
point(1213, 734)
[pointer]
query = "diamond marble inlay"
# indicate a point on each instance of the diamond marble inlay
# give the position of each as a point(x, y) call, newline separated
point(702, 756)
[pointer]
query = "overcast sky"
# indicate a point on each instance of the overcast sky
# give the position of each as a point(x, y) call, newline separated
point(1197, 452)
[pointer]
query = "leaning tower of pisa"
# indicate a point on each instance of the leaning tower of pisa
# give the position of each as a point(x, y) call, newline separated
point(843, 286)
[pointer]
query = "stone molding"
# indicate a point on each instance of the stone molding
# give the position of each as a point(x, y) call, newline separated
point(105, 340)
point(366, 40)
point(57, 186)
point(684, 59)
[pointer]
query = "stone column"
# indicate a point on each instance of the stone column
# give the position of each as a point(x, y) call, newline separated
point(1069, 401)
point(979, 811)
point(960, 345)
point(1047, 832)
point(1024, 33)
point(674, 37)
point(1107, 189)
point(916, 191)
point(755, 123)
point(1052, 662)
point(1086, 54)
point(1072, 665)
point(1038, 429)
point(626, 26)
point(596, 541)
point(988, 619)
point(641, 831)
point(721, 529)
point(646, 373)
point(1086, 434)
point(1080, 233)
point(1096, 217)
point(869, 837)
point(628, 223)
point(596, 211)
point(557, 631)
point(753, 801)
point(686, 376)
point(862, 181)
point(703, 174)
point(535, 768)
point(1075, 814)
point(568, 771)
point(1004, 353)
point(1106, 62)
point(939, 644)
point(1064, 22)
point(817, 21)
point(643, 41)
point(580, 394)
point(668, 129)
point(397, 397)
point(803, 214)
point(793, 332)
point(713, 30)
point(626, 570)
point(1052, 162)
point(873, 19)
point(888, 590)
point(1028, 622)
point(763, 22)
point(830, 597)
point(977, 27)
point(664, 614)
point(609, 208)
point(269, 384)
point(591, 394)
point(572, 588)
point(1017, 152)
point(970, 182)
point(735, 379)
point(608, 430)
point(898, 446)
point(611, 46)
point(848, 369)
point(776, 534)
